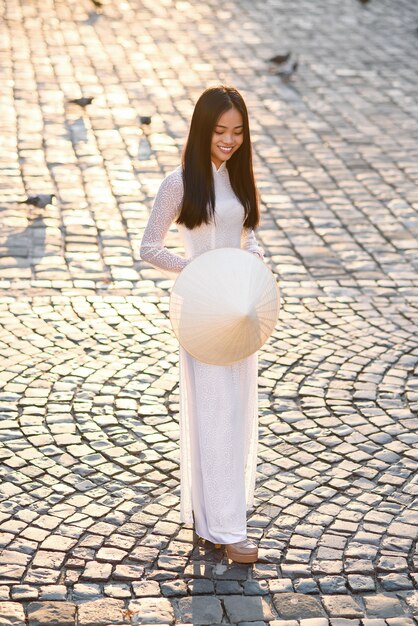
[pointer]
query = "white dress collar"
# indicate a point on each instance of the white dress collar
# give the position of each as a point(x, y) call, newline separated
point(222, 167)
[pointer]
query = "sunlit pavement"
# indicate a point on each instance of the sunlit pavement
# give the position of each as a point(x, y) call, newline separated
point(89, 510)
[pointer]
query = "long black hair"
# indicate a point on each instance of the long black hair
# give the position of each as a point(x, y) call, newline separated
point(199, 196)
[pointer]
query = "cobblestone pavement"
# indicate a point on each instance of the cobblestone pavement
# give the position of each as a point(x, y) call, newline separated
point(89, 494)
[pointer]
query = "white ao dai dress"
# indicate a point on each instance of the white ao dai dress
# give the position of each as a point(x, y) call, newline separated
point(218, 404)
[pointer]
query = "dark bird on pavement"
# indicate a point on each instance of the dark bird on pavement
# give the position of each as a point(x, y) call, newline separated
point(280, 58)
point(287, 71)
point(82, 102)
point(41, 200)
point(93, 17)
point(145, 119)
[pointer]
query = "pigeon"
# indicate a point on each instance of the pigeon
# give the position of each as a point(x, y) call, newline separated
point(82, 102)
point(280, 58)
point(288, 71)
point(145, 119)
point(92, 18)
point(41, 200)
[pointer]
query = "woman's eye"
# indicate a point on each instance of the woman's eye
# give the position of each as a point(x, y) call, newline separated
point(220, 132)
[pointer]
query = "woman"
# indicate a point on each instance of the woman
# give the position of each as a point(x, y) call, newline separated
point(214, 202)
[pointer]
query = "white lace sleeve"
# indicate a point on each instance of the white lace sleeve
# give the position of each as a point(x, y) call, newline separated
point(164, 211)
point(249, 242)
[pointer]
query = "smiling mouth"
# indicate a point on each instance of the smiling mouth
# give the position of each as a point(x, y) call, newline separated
point(226, 150)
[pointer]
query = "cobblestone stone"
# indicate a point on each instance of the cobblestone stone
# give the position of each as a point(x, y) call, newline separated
point(102, 612)
point(382, 605)
point(198, 609)
point(51, 614)
point(239, 609)
point(342, 606)
point(297, 606)
point(12, 614)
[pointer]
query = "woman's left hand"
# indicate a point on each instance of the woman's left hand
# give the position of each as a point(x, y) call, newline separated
point(260, 256)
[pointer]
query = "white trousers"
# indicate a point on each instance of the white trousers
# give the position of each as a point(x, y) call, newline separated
point(218, 442)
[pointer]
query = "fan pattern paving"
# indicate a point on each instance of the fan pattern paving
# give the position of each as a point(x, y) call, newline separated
point(90, 447)
point(89, 398)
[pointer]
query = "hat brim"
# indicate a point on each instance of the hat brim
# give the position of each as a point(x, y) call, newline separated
point(224, 305)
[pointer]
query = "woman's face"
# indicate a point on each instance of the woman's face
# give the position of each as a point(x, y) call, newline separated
point(227, 137)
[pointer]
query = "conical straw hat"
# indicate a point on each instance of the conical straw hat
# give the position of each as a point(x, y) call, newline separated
point(224, 305)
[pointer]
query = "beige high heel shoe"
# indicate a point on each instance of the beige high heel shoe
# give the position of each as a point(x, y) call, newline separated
point(245, 551)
